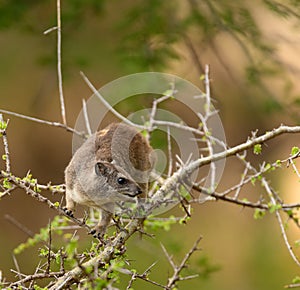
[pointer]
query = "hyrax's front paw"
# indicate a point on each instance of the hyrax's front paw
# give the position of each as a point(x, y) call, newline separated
point(68, 212)
point(98, 234)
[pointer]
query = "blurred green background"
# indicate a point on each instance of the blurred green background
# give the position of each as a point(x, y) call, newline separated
point(253, 51)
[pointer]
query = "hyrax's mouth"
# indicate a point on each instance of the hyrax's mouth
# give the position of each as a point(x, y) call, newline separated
point(130, 194)
point(133, 194)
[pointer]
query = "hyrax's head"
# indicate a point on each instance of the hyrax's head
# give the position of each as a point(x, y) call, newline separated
point(117, 179)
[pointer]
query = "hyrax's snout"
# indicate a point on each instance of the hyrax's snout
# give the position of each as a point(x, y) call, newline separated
point(134, 189)
point(138, 191)
point(118, 179)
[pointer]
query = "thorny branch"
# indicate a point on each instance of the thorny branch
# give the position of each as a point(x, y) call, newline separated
point(27, 187)
point(178, 269)
point(143, 276)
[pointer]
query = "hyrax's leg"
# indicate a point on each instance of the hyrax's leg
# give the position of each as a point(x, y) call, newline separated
point(105, 217)
point(70, 204)
point(70, 179)
point(104, 220)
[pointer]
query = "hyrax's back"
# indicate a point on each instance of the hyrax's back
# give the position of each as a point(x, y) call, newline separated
point(126, 147)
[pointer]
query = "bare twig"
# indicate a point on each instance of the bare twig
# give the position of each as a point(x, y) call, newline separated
point(18, 272)
point(49, 30)
point(282, 227)
point(37, 276)
point(178, 269)
point(49, 249)
point(5, 143)
point(107, 105)
point(144, 277)
point(229, 199)
point(290, 161)
point(86, 118)
point(156, 102)
point(242, 182)
point(19, 225)
point(45, 122)
point(296, 285)
point(207, 91)
point(59, 70)
point(170, 166)
point(206, 131)
point(37, 269)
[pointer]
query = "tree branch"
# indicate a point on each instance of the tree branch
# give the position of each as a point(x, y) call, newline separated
point(105, 256)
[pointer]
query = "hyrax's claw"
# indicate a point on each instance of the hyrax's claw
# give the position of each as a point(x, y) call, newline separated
point(92, 232)
point(68, 212)
point(97, 235)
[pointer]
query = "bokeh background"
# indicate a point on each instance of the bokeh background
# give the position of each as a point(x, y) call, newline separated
point(252, 48)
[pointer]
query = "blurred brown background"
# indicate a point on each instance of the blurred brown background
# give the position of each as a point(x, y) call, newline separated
point(251, 254)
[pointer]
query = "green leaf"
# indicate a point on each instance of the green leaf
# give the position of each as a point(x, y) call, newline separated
point(295, 150)
point(44, 252)
point(296, 280)
point(257, 149)
point(267, 167)
point(184, 220)
point(259, 213)
point(274, 207)
point(7, 184)
point(36, 287)
point(3, 125)
point(145, 133)
point(168, 93)
point(72, 246)
point(253, 180)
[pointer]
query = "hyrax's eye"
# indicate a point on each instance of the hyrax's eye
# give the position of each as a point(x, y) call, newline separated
point(122, 180)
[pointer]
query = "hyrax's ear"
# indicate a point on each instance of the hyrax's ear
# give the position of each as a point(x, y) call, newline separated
point(102, 168)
